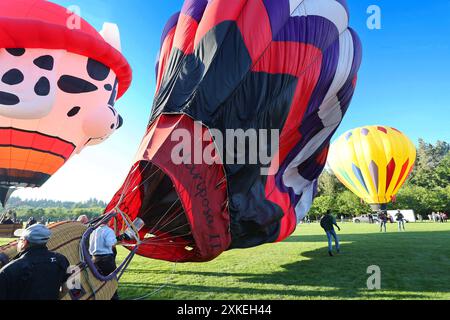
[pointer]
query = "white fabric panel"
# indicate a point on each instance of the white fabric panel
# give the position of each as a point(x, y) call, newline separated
point(305, 203)
point(330, 111)
point(329, 9)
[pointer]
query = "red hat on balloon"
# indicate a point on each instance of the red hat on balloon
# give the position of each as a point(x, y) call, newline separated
point(43, 24)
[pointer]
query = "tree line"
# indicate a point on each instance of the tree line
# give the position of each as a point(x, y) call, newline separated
point(52, 211)
point(426, 190)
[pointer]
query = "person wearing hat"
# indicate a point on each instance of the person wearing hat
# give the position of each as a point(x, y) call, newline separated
point(83, 219)
point(36, 273)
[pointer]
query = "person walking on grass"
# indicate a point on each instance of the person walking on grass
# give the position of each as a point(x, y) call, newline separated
point(327, 223)
point(383, 220)
point(400, 220)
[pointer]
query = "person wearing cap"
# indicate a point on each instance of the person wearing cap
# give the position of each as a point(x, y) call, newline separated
point(83, 219)
point(36, 273)
point(102, 248)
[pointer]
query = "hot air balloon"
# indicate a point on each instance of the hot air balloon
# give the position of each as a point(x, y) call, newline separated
point(289, 66)
point(58, 86)
point(373, 162)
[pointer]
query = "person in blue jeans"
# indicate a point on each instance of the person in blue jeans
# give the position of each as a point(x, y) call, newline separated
point(327, 223)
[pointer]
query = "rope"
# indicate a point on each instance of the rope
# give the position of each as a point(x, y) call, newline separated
point(169, 279)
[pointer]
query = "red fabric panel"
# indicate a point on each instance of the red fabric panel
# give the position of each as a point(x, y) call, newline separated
point(292, 58)
point(164, 56)
point(254, 24)
point(185, 34)
point(382, 129)
point(36, 24)
point(196, 186)
point(390, 172)
point(322, 157)
point(202, 195)
point(354, 81)
point(251, 18)
point(217, 12)
point(402, 173)
point(37, 141)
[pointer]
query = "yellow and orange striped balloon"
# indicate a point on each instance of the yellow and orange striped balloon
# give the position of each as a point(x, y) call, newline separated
point(373, 162)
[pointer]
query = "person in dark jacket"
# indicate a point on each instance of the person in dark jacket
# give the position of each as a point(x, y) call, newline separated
point(383, 220)
point(30, 222)
point(400, 220)
point(327, 223)
point(36, 273)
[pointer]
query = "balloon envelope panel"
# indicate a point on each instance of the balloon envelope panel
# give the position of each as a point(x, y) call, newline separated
point(282, 65)
point(373, 162)
point(58, 87)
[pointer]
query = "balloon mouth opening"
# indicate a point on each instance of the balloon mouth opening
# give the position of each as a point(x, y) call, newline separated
point(162, 211)
point(151, 193)
point(184, 206)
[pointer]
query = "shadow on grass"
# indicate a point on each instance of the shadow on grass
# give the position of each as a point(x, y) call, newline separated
point(414, 265)
point(255, 293)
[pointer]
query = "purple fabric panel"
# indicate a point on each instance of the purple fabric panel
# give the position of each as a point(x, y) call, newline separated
point(330, 60)
point(194, 8)
point(311, 169)
point(279, 13)
point(374, 173)
point(348, 136)
point(357, 55)
point(346, 93)
point(358, 174)
point(173, 20)
point(313, 30)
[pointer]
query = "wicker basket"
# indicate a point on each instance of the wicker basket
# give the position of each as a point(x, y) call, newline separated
point(65, 239)
point(7, 230)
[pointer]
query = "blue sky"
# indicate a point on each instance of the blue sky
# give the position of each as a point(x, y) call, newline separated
point(403, 82)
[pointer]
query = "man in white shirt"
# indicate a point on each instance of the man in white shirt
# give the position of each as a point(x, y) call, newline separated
point(102, 247)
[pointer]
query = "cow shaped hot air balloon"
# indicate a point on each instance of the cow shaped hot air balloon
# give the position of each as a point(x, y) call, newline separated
point(373, 162)
point(58, 87)
point(264, 65)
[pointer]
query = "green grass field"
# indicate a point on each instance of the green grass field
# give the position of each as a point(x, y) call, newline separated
point(414, 265)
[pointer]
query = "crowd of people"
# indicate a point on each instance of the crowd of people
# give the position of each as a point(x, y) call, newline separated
point(440, 217)
point(328, 221)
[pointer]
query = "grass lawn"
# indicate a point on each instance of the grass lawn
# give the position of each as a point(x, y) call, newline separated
point(414, 265)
